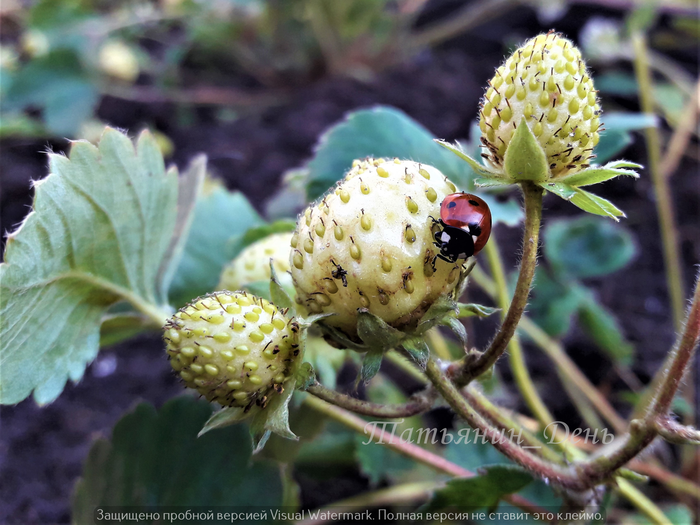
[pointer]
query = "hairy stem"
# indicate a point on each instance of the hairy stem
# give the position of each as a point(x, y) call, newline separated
point(417, 404)
point(533, 218)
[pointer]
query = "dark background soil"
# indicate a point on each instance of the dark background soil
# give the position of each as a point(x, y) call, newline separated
point(42, 449)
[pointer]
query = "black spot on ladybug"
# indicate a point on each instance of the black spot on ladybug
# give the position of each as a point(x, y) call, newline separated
point(472, 202)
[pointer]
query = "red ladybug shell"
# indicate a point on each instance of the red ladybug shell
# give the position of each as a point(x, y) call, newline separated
point(465, 211)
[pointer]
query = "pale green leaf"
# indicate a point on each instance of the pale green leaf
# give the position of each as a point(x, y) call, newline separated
point(98, 233)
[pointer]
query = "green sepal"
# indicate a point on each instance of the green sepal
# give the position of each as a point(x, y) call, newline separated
point(305, 376)
point(273, 418)
point(597, 174)
point(471, 309)
point(473, 164)
point(278, 294)
point(375, 332)
point(339, 337)
point(491, 182)
point(313, 318)
point(223, 418)
point(585, 200)
point(596, 205)
point(561, 189)
point(370, 364)
point(458, 328)
point(524, 158)
point(443, 307)
point(418, 349)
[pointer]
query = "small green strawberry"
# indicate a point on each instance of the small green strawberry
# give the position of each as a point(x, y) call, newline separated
point(369, 244)
point(253, 263)
point(546, 83)
point(233, 348)
point(540, 121)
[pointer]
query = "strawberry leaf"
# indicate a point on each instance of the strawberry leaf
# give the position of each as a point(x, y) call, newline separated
point(154, 460)
point(100, 232)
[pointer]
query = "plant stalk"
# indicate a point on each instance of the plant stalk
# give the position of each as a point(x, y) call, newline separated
point(533, 218)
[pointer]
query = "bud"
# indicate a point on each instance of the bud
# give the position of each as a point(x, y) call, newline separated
point(545, 84)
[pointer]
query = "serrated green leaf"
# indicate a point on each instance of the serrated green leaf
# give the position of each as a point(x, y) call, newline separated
point(587, 247)
point(418, 349)
point(219, 216)
point(380, 132)
point(370, 364)
point(99, 231)
point(470, 309)
point(597, 174)
point(483, 491)
point(596, 205)
point(155, 460)
point(524, 158)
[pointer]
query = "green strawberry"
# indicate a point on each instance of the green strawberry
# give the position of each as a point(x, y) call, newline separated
point(253, 263)
point(369, 244)
point(545, 82)
point(233, 348)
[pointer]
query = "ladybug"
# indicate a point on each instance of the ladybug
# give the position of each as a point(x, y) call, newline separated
point(465, 222)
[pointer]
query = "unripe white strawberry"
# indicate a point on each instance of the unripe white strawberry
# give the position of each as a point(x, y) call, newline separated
point(369, 244)
point(233, 348)
point(546, 83)
point(253, 263)
point(119, 61)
